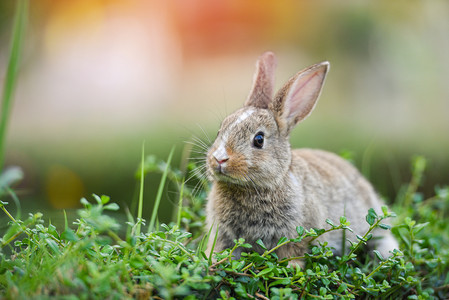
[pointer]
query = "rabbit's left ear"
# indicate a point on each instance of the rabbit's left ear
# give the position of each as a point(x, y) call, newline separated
point(262, 91)
point(296, 100)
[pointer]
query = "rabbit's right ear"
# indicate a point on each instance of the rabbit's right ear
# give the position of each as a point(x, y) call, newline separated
point(296, 100)
point(261, 93)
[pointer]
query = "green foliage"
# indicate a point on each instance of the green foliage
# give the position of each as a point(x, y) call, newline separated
point(91, 260)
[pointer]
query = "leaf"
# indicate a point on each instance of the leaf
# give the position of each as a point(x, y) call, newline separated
point(329, 221)
point(417, 228)
point(85, 202)
point(409, 222)
point(53, 246)
point(105, 199)
point(282, 240)
point(384, 226)
point(319, 231)
point(312, 232)
point(251, 286)
point(13, 230)
point(283, 282)
point(112, 206)
point(361, 238)
point(343, 287)
point(379, 256)
point(300, 230)
point(265, 271)
point(371, 217)
point(97, 198)
point(385, 210)
point(69, 235)
point(137, 262)
point(240, 290)
point(404, 236)
point(261, 244)
point(296, 240)
point(397, 252)
point(369, 236)
point(347, 228)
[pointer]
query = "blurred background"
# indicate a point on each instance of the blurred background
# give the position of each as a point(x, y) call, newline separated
point(98, 78)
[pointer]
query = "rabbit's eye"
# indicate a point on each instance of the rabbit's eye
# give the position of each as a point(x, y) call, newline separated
point(258, 140)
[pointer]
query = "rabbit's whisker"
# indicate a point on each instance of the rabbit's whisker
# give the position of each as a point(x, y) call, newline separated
point(199, 159)
point(196, 173)
point(200, 142)
point(205, 134)
point(194, 144)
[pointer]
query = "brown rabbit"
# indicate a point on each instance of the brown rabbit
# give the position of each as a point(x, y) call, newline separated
point(262, 189)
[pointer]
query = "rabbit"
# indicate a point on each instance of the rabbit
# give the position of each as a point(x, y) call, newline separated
point(262, 189)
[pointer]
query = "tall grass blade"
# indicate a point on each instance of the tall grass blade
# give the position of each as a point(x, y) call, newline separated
point(159, 192)
point(129, 230)
point(66, 223)
point(202, 246)
point(12, 70)
point(181, 195)
point(142, 176)
point(213, 245)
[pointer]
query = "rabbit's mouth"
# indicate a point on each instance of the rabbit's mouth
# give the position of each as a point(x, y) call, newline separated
point(221, 175)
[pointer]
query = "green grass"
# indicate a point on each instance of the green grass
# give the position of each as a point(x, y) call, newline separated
point(89, 259)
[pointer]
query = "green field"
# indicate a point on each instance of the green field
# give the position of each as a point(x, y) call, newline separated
point(100, 257)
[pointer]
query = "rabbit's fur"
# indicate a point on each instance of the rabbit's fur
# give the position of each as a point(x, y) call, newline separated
point(266, 192)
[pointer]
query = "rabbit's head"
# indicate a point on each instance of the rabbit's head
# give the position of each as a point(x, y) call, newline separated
point(252, 146)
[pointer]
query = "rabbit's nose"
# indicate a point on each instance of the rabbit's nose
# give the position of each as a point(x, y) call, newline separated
point(220, 155)
point(221, 161)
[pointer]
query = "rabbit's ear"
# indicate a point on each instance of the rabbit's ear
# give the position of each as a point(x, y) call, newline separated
point(296, 100)
point(261, 93)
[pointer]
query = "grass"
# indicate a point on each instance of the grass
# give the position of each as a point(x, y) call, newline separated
point(89, 259)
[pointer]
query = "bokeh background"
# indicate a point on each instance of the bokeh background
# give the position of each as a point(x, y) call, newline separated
point(100, 77)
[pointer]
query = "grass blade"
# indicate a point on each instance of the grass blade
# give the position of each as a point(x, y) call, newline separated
point(213, 244)
point(66, 224)
point(159, 192)
point(129, 230)
point(178, 219)
point(11, 73)
point(142, 176)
